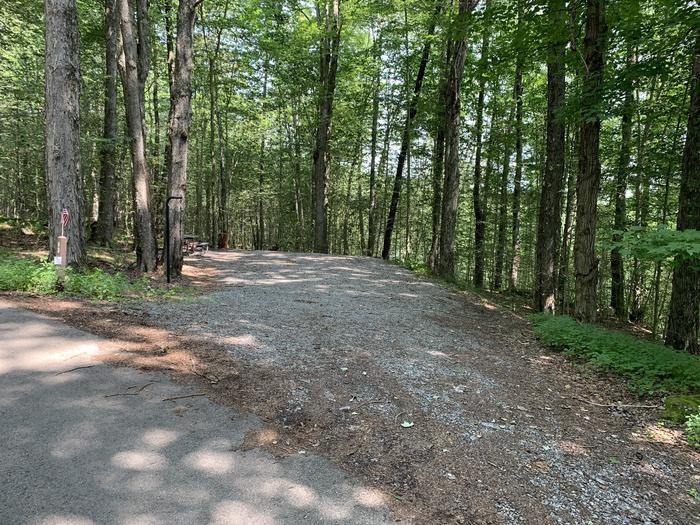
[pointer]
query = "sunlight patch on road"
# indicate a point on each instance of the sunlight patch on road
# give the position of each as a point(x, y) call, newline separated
point(140, 460)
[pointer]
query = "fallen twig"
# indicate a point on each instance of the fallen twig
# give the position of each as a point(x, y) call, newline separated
point(73, 369)
point(141, 389)
point(183, 397)
point(601, 405)
point(123, 394)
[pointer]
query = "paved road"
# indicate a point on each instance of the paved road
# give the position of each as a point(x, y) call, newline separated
point(70, 455)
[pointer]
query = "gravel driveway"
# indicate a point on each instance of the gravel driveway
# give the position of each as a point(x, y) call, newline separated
point(443, 401)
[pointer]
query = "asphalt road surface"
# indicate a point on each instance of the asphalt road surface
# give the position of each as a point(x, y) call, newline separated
point(75, 453)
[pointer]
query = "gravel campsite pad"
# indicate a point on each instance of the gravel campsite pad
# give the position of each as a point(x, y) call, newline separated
point(440, 399)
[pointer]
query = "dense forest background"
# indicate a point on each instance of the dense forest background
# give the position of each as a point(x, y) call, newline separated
point(521, 145)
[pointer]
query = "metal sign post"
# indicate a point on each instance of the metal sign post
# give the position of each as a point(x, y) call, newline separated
point(167, 234)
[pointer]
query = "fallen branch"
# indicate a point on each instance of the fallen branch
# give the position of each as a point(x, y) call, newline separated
point(73, 369)
point(602, 405)
point(183, 397)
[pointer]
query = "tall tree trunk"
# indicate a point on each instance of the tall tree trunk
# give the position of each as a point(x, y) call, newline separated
point(348, 198)
point(298, 201)
point(407, 131)
point(563, 277)
point(438, 170)
point(549, 219)
point(588, 184)
point(503, 207)
point(479, 213)
point(361, 215)
point(683, 321)
point(223, 237)
point(371, 220)
point(179, 126)
point(664, 218)
point(328, 16)
point(450, 203)
point(62, 132)
point(133, 71)
point(105, 215)
point(517, 180)
point(260, 243)
point(617, 269)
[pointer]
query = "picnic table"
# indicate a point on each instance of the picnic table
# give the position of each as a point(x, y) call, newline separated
point(191, 245)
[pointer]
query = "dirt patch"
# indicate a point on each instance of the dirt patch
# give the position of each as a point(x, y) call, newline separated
point(442, 400)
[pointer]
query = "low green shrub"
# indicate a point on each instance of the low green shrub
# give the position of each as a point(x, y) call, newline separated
point(416, 266)
point(648, 367)
point(677, 409)
point(26, 275)
point(96, 284)
point(30, 274)
point(692, 429)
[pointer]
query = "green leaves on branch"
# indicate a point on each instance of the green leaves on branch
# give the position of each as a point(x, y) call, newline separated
point(660, 245)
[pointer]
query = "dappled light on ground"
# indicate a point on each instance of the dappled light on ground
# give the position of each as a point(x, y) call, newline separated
point(109, 447)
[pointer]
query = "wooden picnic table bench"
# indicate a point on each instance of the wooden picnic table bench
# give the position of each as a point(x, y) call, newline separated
point(191, 245)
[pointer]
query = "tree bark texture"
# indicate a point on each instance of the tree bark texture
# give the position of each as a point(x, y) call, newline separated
point(479, 211)
point(683, 322)
point(451, 188)
point(549, 219)
point(179, 127)
point(588, 184)
point(133, 78)
point(62, 132)
point(328, 14)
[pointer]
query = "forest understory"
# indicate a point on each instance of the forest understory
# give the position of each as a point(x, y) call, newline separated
point(441, 399)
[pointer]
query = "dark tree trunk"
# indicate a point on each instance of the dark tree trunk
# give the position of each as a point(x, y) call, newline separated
point(179, 126)
point(549, 219)
point(133, 71)
point(588, 184)
point(105, 215)
point(617, 269)
point(479, 212)
point(438, 170)
point(683, 322)
point(406, 137)
point(328, 15)
point(563, 277)
point(450, 202)
point(62, 132)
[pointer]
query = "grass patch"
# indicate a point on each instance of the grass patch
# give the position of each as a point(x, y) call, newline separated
point(649, 368)
point(31, 274)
